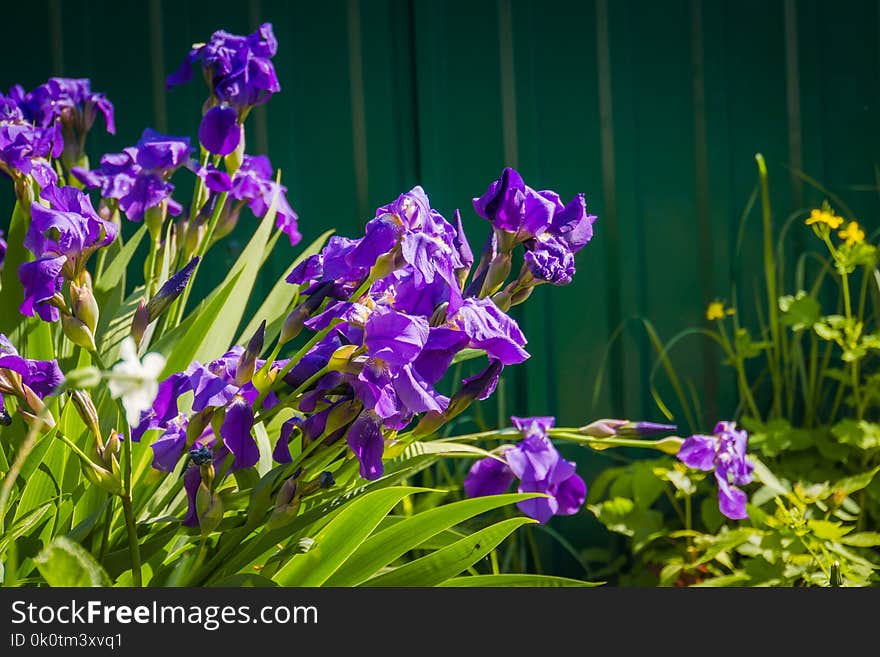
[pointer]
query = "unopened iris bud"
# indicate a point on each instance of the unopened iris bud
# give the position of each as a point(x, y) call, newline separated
point(341, 358)
point(209, 508)
point(521, 294)
point(460, 242)
point(645, 429)
point(101, 477)
point(286, 504)
point(341, 415)
point(5, 420)
point(244, 371)
point(476, 387)
point(235, 158)
point(607, 428)
point(110, 452)
point(139, 322)
point(85, 308)
point(499, 270)
point(78, 333)
point(154, 217)
point(85, 407)
point(170, 290)
point(602, 428)
point(295, 321)
point(429, 424)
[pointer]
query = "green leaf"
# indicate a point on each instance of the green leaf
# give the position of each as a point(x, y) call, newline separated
point(341, 537)
point(113, 272)
point(862, 434)
point(439, 566)
point(832, 531)
point(862, 539)
point(114, 324)
point(274, 307)
point(24, 525)
point(11, 291)
point(857, 482)
point(383, 547)
point(516, 579)
point(799, 312)
point(65, 563)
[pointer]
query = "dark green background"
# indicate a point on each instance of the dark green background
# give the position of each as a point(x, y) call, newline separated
point(653, 109)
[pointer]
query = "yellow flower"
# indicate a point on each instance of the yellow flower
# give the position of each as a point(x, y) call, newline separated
point(716, 310)
point(853, 234)
point(824, 217)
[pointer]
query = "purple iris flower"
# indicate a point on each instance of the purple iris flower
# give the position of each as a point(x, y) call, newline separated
point(550, 254)
point(70, 100)
point(514, 207)
point(24, 146)
point(539, 468)
point(67, 226)
point(551, 231)
point(41, 376)
point(389, 384)
point(725, 453)
point(368, 443)
point(240, 74)
point(490, 329)
point(238, 69)
point(42, 280)
point(138, 177)
point(254, 184)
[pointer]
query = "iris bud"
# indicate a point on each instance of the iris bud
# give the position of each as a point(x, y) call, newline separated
point(85, 308)
point(78, 333)
point(244, 371)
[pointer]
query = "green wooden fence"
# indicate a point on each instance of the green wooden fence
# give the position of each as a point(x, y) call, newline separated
point(653, 109)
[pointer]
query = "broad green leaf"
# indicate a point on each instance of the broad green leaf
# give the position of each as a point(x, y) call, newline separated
point(383, 547)
point(114, 325)
point(24, 525)
point(436, 447)
point(65, 563)
point(516, 579)
point(341, 537)
point(832, 531)
point(449, 562)
point(45, 482)
point(857, 482)
point(11, 291)
point(862, 539)
point(114, 271)
point(274, 307)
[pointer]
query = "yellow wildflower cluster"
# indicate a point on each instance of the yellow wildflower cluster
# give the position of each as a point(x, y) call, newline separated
point(716, 310)
point(853, 234)
point(824, 216)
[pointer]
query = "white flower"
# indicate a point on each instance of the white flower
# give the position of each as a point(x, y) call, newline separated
point(135, 381)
